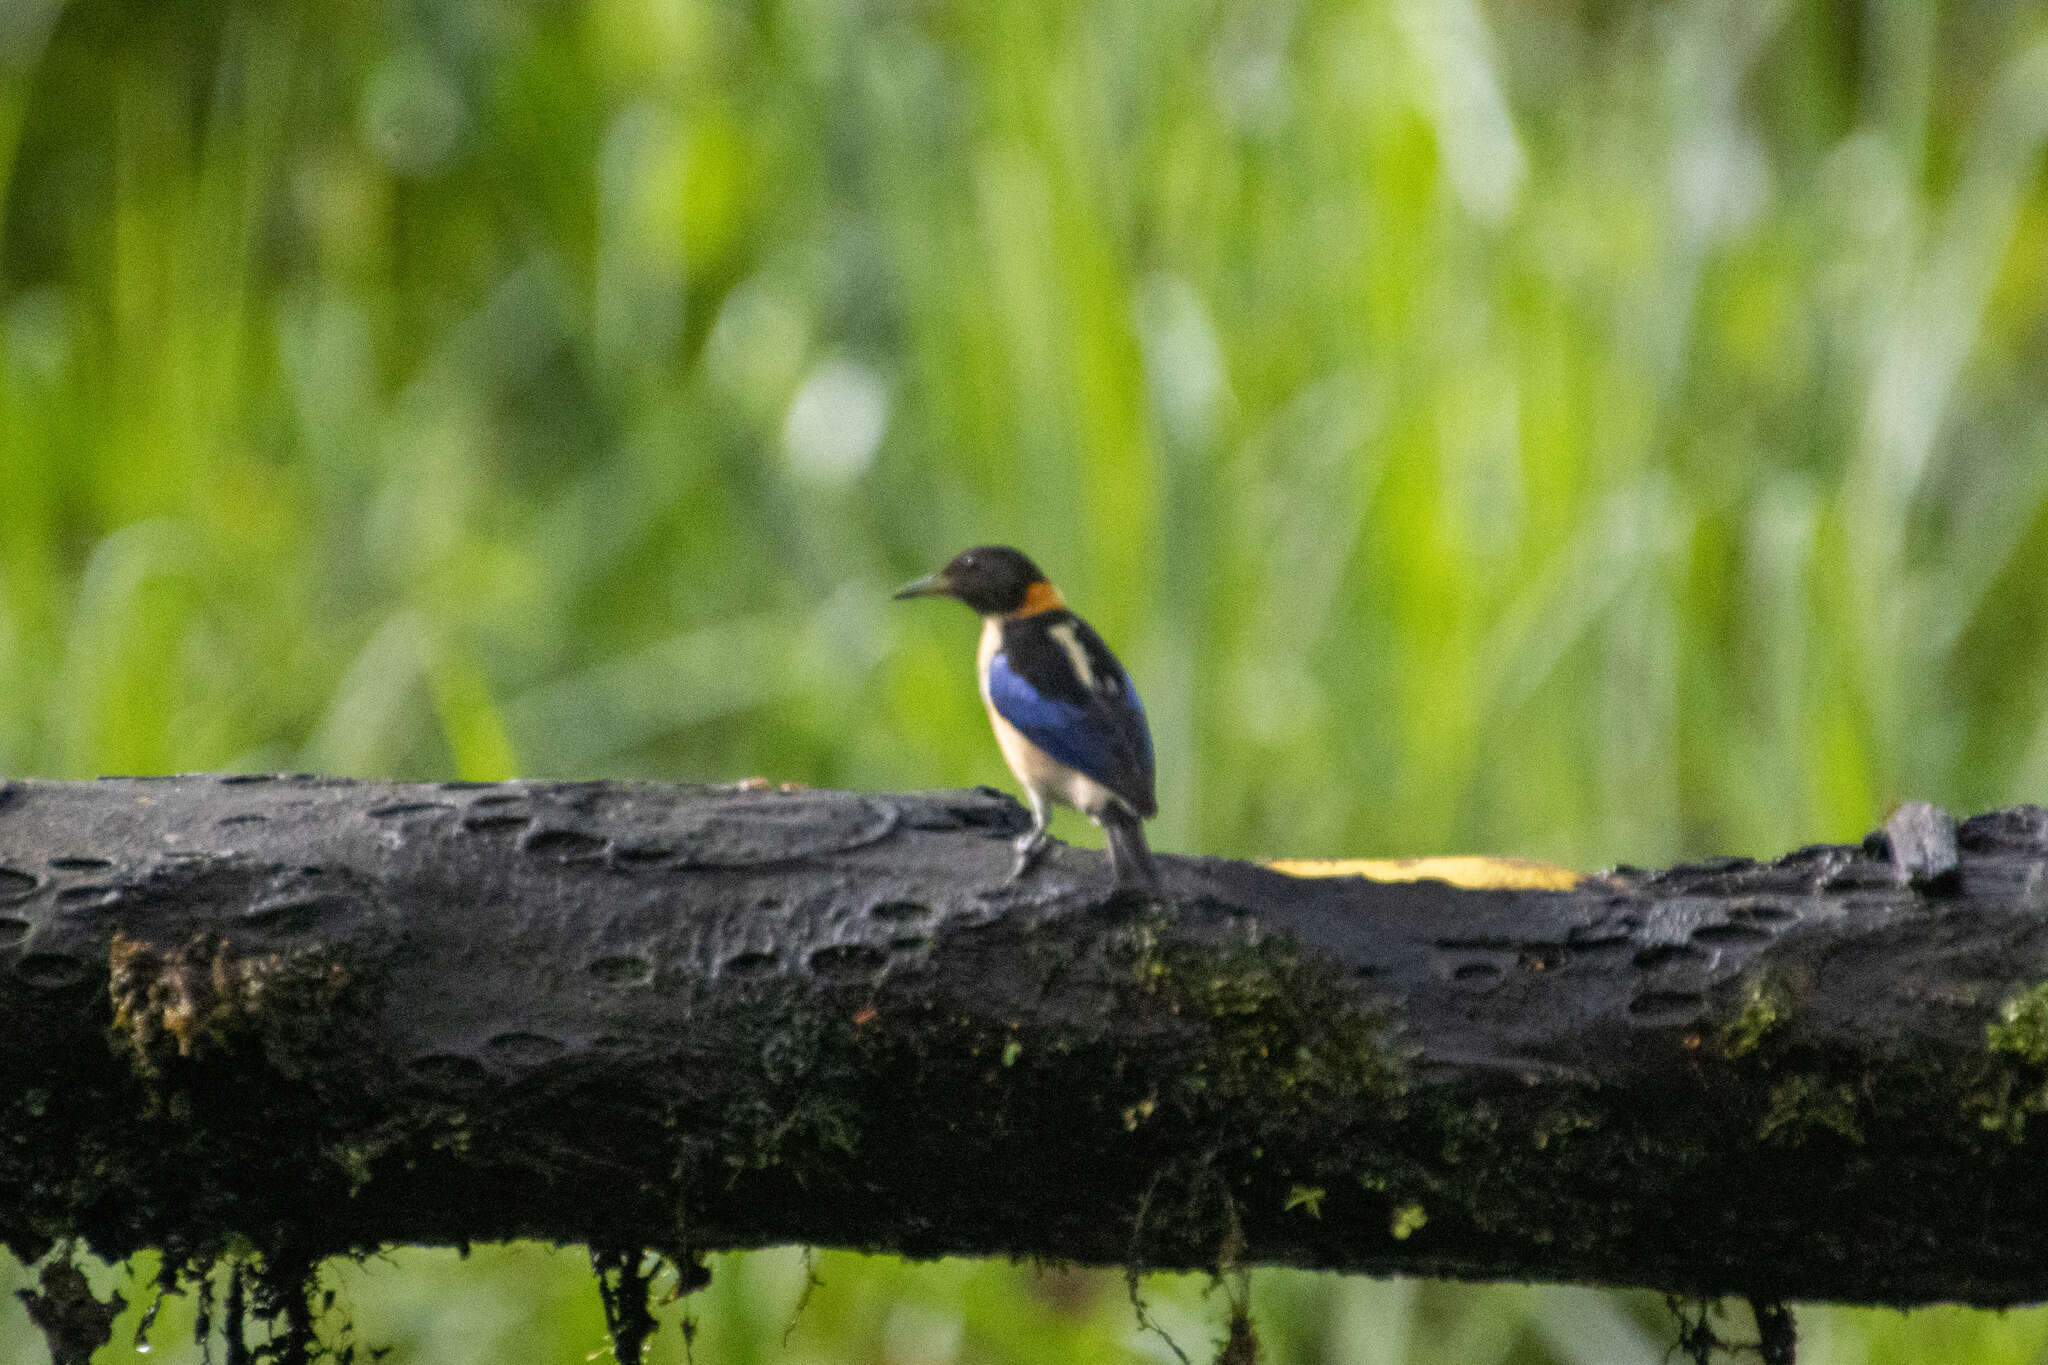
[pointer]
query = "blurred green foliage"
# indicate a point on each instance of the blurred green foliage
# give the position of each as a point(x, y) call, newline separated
point(1587, 431)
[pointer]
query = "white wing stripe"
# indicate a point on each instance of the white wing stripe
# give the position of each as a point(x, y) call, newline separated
point(1064, 635)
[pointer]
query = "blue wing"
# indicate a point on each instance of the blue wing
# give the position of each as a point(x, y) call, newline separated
point(1101, 734)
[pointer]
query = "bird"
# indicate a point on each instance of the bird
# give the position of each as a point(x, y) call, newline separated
point(1065, 714)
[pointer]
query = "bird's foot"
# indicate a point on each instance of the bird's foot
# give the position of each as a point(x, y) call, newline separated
point(1028, 847)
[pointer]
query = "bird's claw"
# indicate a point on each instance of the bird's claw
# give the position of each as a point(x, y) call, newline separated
point(1028, 847)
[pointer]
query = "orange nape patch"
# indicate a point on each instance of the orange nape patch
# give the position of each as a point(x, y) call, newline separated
point(1040, 596)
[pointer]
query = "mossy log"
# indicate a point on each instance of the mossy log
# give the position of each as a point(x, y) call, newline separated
point(319, 1017)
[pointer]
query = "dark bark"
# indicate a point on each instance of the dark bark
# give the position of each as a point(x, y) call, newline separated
point(325, 1016)
point(73, 1322)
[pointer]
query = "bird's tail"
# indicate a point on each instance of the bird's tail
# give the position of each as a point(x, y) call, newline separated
point(1130, 861)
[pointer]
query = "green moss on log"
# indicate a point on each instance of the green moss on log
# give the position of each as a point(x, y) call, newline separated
point(1766, 1005)
point(2016, 1082)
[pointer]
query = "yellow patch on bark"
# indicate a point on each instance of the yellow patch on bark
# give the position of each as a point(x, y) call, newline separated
point(1470, 872)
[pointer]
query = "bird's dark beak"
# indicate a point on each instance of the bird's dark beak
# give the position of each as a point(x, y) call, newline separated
point(931, 585)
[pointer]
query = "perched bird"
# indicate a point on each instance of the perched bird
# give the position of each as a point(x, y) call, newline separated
point(1068, 720)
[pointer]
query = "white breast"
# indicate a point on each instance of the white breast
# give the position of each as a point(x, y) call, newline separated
point(991, 645)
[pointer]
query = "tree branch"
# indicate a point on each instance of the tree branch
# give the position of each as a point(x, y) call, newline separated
point(324, 1016)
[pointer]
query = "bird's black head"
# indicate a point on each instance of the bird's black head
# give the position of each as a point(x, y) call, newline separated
point(995, 580)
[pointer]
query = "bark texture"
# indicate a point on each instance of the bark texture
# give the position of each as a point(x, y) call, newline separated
point(320, 1016)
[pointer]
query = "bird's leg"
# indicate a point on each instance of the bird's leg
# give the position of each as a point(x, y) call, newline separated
point(1031, 842)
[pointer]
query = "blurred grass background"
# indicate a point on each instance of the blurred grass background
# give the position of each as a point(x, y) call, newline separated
point(1576, 430)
